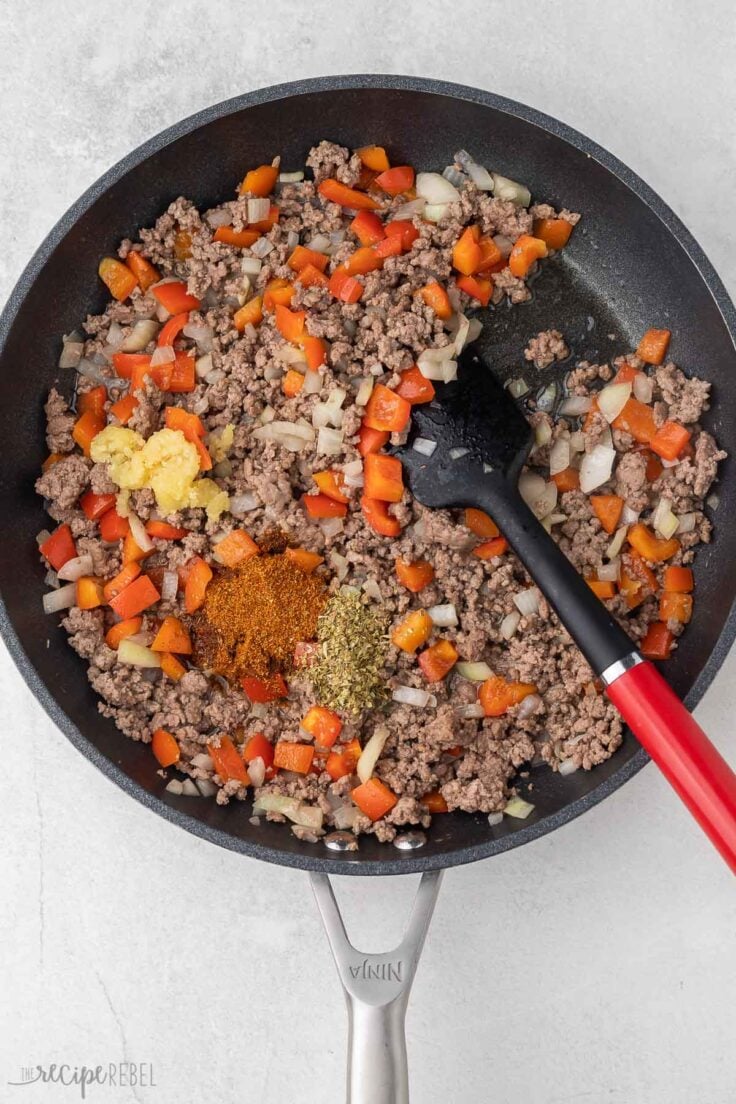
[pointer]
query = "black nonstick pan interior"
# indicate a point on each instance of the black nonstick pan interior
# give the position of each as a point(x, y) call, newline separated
point(630, 265)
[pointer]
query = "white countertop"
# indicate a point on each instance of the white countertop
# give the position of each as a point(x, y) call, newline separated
point(596, 964)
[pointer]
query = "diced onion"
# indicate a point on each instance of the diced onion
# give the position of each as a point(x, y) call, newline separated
point(312, 383)
point(175, 787)
point(291, 177)
point(189, 788)
point(518, 808)
point(169, 585)
point(289, 354)
point(510, 624)
point(200, 334)
point(444, 617)
point(529, 705)
point(543, 433)
point(527, 601)
point(503, 188)
point(75, 568)
point(612, 399)
point(364, 391)
point(663, 520)
point(203, 366)
point(251, 266)
point(162, 354)
point(596, 468)
point(517, 387)
point(576, 404)
point(331, 526)
point(609, 572)
point(202, 760)
point(137, 655)
point(320, 243)
point(458, 453)
point(454, 176)
point(308, 816)
point(687, 523)
point(435, 189)
point(539, 495)
point(409, 695)
point(144, 331)
point(473, 711)
point(617, 543)
point(261, 248)
point(371, 752)
point(409, 210)
point(285, 432)
point(72, 351)
point(567, 766)
point(243, 503)
point(345, 817)
point(480, 176)
point(494, 819)
point(424, 446)
point(643, 387)
point(435, 212)
point(258, 209)
point(206, 787)
point(474, 672)
point(219, 216)
point(629, 516)
point(546, 400)
point(712, 501)
point(577, 441)
point(63, 598)
point(559, 456)
point(139, 534)
point(372, 589)
point(504, 244)
point(438, 364)
point(257, 771)
point(329, 441)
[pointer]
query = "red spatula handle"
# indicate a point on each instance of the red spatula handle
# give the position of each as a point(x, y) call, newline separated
point(682, 751)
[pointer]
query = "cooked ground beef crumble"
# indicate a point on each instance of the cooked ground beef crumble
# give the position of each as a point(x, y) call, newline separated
point(441, 749)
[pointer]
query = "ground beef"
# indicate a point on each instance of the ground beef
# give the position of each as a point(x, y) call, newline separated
point(547, 347)
point(472, 763)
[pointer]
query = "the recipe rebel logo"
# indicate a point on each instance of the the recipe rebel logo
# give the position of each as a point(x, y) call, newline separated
point(115, 1075)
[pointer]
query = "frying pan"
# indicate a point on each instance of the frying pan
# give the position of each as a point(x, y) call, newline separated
point(631, 264)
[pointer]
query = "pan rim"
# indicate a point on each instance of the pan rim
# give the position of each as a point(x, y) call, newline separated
point(394, 863)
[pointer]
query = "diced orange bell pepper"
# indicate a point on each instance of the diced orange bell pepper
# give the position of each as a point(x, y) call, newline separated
point(435, 296)
point(292, 383)
point(380, 520)
point(315, 351)
point(142, 269)
point(165, 748)
point(567, 480)
point(678, 580)
point(124, 363)
point(438, 660)
point(374, 798)
point(491, 257)
point(311, 277)
point(414, 387)
point(171, 666)
point(260, 182)
point(669, 440)
point(654, 467)
point(182, 245)
point(235, 548)
point(602, 588)
point(290, 324)
point(113, 527)
point(657, 644)
point(322, 506)
point(653, 346)
point(171, 329)
point(368, 228)
point(51, 459)
point(119, 582)
point(118, 632)
point(478, 522)
point(241, 239)
point(404, 230)
point(258, 747)
point(95, 505)
point(228, 762)
point(397, 180)
point(637, 419)
point(137, 597)
point(490, 549)
point(497, 695)
point(132, 551)
point(374, 158)
point(89, 593)
point(183, 374)
point(477, 288)
point(525, 252)
point(251, 314)
point(117, 277)
point(191, 426)
point(344, 286)
point(335, 192)
point(649, 546)
point(123, 409)
point(675, 607)
point(386, 410)
point(265, 690)
point(434, 802)
point(343, 762)
point(301, 257)
point(323, 725)
point(305, 560)
point(86, 429)
point(371, 440)
point(414, 576)
point(175, 298)
point(161, 530)
point(639, 569)
point(293, 757)
point(268, 222)
point(383, 477)
point(626, 374)
point(278, 290)
point(466, 253)
point(607, 508)
point(195, 588)
point(362, 261)
point(413, 631)
point(92, 401)
point(332, 484)
point(555, 233)
point(172, 636)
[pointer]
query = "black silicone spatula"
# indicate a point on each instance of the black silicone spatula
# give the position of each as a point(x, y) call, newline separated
point(482, 440)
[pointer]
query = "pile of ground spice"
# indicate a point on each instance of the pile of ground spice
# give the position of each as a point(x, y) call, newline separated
point(254, 615)
point(348, 672)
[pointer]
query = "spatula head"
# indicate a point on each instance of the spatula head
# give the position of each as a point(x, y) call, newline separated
point(480, 434)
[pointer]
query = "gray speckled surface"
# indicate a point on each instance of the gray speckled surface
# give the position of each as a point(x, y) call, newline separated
point(596, 964)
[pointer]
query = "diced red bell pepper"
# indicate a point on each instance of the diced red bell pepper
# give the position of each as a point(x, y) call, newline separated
point(137, 597)
point(241, 239)
point(367, 228)
point(265, 690)
point(608, 509)
point(92, 401)
point(649, 546)
point(195, 588)
point(323, 725)
point(480, 523)
point(165, 748)
point(86, 429)
point(336, 192)
point(174, 297)
point(260, 182)
point(678, 580)
point(161, 530)
point(435, 296)
point(344, 286)
point(488, 550)
point(59, 547)
point(434, 802)
point(387, 410)
point(301, 257)
point(653, 346)
point(466, 253)
point(374, 158)
point(380, 520)
point(491, 257)
point(675, 607)
point(311, 277)
point(258, 747)
point(669, 440)
point(374, 798)
point(383, 477)
point(172, 636)
point(391, 246)
point(342, 762)
point(477, 288)
point(497, 694)
point(113, 527)
point(322, 506)
point(124, 363)
point(332, 484)
point(236, 548)
point(525, 252)
point(371, 440)
point(123, 409)
point(637, 419)
point(228, 761)
point(305, 560)
point(124, 578)
point(555, 233)
point(118, 278)
point(142, 269)
point(438, 660)
point(171, 330)
point(290, 324)
point(278, 290)
point(414, 387)
point(293, 757)
point(403, 229)
point(251, 314)
point(95, 505)
point(397, 180)
point(362, 261)
point(89, 593)
point(315, 351)
point(657, 644)
point(414, 576)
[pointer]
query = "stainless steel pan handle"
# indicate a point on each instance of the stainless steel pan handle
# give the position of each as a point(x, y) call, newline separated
point(377, 990)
